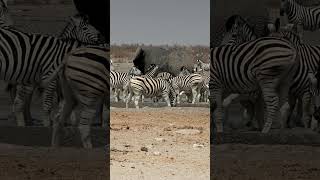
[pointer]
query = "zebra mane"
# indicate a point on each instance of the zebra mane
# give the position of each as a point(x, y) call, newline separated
point(236, 19)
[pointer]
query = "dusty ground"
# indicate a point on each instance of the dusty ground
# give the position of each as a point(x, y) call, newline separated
point(264, 162)
point(39, 163)
point(145, 143)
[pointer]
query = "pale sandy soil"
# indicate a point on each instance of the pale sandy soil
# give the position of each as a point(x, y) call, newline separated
point(177, 157)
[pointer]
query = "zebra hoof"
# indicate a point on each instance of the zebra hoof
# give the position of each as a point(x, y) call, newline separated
point(265, 130)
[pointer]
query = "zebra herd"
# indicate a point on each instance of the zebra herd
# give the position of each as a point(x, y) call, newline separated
point(77, 61)
point(279, 69)
point(161, 85)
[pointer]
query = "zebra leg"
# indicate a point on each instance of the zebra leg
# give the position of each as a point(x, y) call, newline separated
point(194, 94)
point(286, 112)
point(65, 109)
point(22, 96)
point(128, 100)
point(306, 106)
point(136, 100)
point(87, 112)
point(217, 108)
point(48, 97)
point(116, 95)
point(271, 100)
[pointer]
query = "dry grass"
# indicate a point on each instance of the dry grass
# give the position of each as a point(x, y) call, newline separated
point(125, 52)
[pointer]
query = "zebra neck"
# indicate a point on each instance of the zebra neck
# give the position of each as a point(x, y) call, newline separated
point(293, 10)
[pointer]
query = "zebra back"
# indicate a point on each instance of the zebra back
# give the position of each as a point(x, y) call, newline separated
point(250, 60)
point(165, 75)
point(88, 68)
point(186, 81)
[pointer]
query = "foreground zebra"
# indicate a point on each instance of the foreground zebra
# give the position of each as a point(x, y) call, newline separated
point(263, 64)
point(308, 64)
point(78, 28)
point(150, 87)
point(307, 18)
point(32, 59)
point(85, 85)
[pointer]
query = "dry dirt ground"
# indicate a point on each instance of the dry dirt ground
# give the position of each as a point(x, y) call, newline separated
point(148, 144)
point(40, 163)
point(265, 162)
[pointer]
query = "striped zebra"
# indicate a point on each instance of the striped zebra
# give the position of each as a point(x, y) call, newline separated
point(165, 75)
point(31, 59)
point(308, 64)
point(150, 87)
point(184, 71)
point(307, 18)
point(189, 82)
point(303, 79)
point(238, 31)
point(264, 63)
point(201, 66)
point(120, 80)
point(85, 85)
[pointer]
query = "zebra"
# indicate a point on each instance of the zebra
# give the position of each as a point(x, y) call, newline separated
point(165, 75)
point(185, 83)
point(85, 85)
point(120, 80)
point(264, 63)
point(77, 28)
point(184, 71)
point(36, 58)
point(201, 66)
point(307, 18)
point(150, 87)
point(238, 31)
point(307, 64)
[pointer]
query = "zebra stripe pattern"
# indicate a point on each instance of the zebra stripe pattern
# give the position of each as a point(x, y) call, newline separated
point(307, 17)
point(84, 81)
point(191, 82)
point(150, 87)
point(259, 64)
point(32, 58)
point(165, 76)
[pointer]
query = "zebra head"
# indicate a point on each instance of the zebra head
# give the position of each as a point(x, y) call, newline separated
point(134, 71)
point(5, 17)
point(197, 66)
point(80, 29)
point(238, 31)
point(184, 71)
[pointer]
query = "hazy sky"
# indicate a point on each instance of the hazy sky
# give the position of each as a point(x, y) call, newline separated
point(160, 21)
